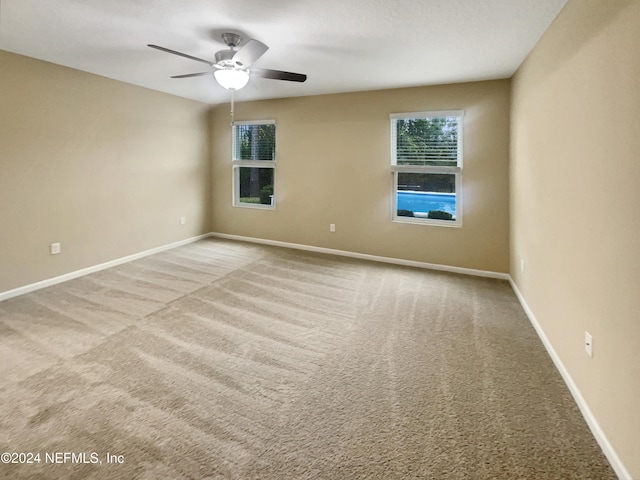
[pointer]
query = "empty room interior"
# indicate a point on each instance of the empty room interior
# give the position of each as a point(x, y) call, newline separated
point(405, 244)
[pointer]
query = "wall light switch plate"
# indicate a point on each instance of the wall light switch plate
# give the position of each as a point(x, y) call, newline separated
point(588, 344)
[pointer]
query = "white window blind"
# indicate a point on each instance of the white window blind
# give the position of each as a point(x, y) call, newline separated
point(427, 139)
point(254, 141)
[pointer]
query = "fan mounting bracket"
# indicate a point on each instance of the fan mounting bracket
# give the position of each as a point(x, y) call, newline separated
point(231, 39)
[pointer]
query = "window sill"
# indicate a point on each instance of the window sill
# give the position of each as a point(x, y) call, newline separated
point(428, 222)
point(256, 206)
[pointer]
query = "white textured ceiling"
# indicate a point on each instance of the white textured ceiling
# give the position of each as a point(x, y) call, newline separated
point(342, 45)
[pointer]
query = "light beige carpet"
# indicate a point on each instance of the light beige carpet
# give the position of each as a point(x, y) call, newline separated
point(229, 360)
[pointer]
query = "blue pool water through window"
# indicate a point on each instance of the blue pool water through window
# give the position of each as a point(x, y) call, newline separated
point(424, 202)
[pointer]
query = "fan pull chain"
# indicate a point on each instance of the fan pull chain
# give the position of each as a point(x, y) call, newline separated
point(231, 113)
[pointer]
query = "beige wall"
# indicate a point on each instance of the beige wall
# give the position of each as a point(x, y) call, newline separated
point(333, 167)
point(575, 204)
point(103, 167)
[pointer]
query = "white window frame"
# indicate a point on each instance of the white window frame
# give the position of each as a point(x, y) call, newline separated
point(237, 164)
point(454, 170)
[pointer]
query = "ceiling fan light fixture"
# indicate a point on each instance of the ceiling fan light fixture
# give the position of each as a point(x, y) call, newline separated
point(231, 79)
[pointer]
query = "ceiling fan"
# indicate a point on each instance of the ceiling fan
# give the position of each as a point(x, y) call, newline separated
point(232, 67)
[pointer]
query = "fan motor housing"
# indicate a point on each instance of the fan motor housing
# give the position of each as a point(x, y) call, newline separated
point(224, 57)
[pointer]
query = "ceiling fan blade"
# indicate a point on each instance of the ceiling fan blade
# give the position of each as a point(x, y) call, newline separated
point(279, 75)
point(249, 53)
point(181, 54)
point(188, 75)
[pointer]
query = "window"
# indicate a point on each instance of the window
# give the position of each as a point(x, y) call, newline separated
point(426, 162)
point(254, 164)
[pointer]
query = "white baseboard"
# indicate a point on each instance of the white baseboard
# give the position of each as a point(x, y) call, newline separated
point(593, 424)
point(85, 271)
point(118, 261)
point(364, 256)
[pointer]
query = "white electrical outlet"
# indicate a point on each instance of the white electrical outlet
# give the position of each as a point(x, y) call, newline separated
point(588, 343)
point(183, 220)
point(55, 248)
point(332, 227)
point(521, 265)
